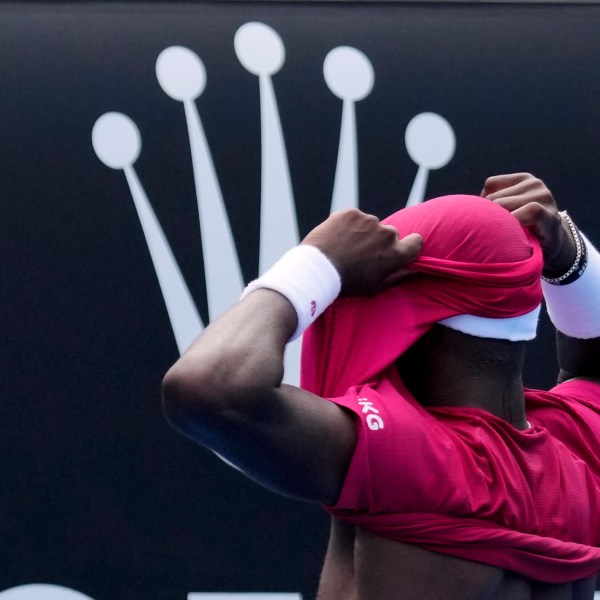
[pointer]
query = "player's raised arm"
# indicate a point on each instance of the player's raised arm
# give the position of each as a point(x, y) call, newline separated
point(571, 281)
point(226, 393)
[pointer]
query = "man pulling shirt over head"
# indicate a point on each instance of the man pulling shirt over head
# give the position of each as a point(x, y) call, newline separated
point(444, 477)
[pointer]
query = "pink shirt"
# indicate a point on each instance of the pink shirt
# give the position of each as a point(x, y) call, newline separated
point(463, 482)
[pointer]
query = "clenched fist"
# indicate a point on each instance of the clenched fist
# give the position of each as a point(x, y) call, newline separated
point(529, 200)
point(368, 255)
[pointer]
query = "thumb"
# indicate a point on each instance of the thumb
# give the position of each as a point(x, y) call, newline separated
point(409, 247)
point(538, 219)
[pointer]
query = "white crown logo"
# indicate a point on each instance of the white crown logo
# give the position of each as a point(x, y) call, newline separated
point(348, 73)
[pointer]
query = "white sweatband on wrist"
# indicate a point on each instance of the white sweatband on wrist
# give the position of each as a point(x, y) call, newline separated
point(307, 278)
point(574, 309)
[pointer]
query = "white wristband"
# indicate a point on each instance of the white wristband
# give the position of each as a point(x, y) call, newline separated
point(307, 278)
point(574, 309)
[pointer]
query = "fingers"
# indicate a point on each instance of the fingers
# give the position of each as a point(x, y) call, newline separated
point(531, 202)
point(519, 200)
point(557, 242)
point(410, 247)
point(398, 277)
point(542, 221)
point(518, 190)
point(407, 250)
point(528, 186)
point(500, 182)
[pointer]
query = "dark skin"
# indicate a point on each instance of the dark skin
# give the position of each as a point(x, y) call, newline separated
point(465, 375)
point(226, 393)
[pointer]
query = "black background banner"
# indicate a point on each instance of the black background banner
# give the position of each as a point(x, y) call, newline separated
point(98, 494)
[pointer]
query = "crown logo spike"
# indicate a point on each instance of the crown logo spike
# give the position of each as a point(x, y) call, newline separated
point(349, 75)
point(261, 52)
point(430, 142)
point(182, 76)
point(117, 143)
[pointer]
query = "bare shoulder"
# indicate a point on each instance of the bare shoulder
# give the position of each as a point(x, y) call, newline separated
point(363, 566)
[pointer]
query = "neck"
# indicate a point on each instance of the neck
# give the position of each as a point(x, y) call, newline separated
point(500, 397)
point(448, 368)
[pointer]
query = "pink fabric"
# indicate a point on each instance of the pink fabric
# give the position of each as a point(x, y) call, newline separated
point(476, 259)
point(462, 482)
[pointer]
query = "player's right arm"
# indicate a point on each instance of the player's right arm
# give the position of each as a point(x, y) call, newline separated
point(530, 200)
point(226, 390)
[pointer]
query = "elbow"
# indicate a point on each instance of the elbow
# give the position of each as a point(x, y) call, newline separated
point(175, 399)
point(199, 395)
point(186, 396)
point(204, 392)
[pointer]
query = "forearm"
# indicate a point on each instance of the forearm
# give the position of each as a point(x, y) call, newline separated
point(237, 360)
point(226, 394)
point(242, 353)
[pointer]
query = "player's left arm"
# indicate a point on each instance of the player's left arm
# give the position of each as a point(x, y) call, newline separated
point(575, 304)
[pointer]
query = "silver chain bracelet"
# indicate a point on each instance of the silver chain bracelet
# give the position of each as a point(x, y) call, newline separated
point(581, 254)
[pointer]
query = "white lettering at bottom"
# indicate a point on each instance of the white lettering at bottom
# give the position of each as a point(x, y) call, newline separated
point(39, 591)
